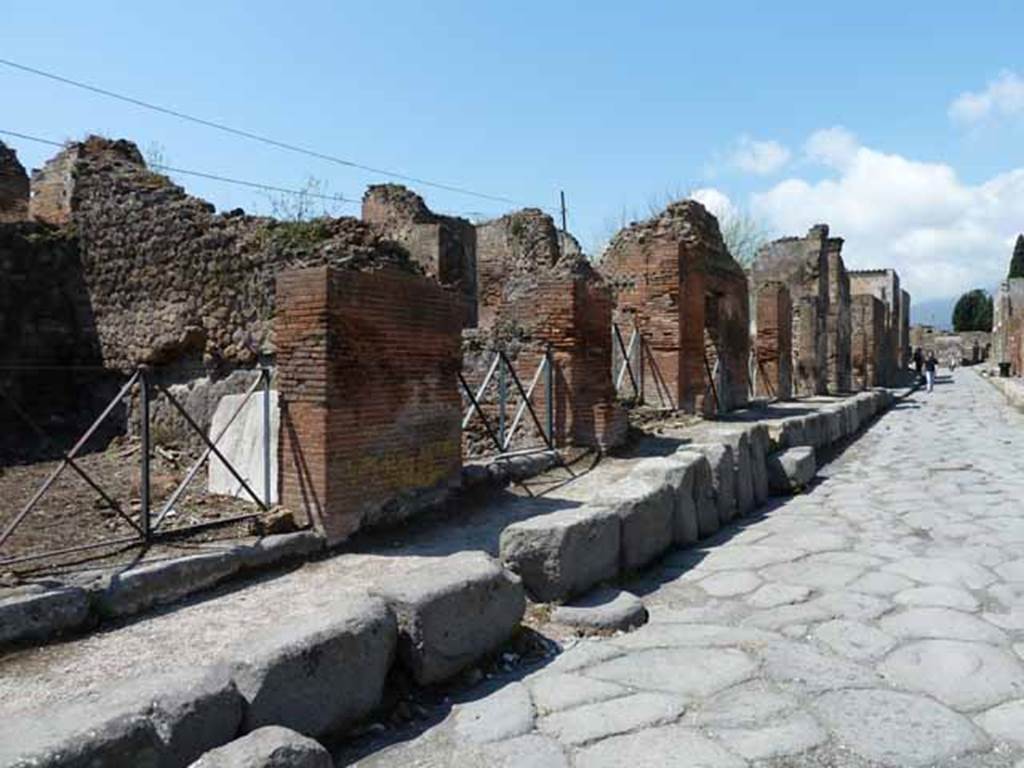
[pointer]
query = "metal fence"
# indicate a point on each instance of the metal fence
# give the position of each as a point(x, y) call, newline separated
point(149, 524)
point(500, 374)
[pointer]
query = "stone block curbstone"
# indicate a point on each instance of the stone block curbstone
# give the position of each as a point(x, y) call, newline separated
point(319, 672)
point(760, 446)
point(40, 614)
point(157, 583)
point(644, 504)
point(281, 547)
point(563, 553)
point(269, 747)
point(739, 443)
point(704, 498)
point(678, 471)
point(451, 612)
point(723, 478)
point(791, 470)
point(165, 721)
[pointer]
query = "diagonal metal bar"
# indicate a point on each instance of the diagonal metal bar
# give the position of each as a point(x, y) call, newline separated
point(480, 392)
point(198, 463)
point(68, 461)
point(626, 365)
point(475, 404)
point(216, 451)
point(526, 401)
point(522, 406)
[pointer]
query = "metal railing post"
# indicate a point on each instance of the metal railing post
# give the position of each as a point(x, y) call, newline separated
point(549, 393)
point(502, 399)
point(144, 485)
point(640, 367)
point(265, 374)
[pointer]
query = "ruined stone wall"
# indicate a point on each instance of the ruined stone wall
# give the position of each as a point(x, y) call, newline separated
point(445, 246)
point(14, 189)
point(802, 264)
point(773, 338)
point(967, 348)
point(49, 351)
point(903, 358)
point(370, 406)
point(868, 333)
point(173, 285)
point(675, 281)
point(532, 297)
point(883, 284)
point(1008, 325)
point(839, 328)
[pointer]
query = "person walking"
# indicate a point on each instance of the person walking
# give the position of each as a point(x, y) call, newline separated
point(918, 362)
point(929, 370)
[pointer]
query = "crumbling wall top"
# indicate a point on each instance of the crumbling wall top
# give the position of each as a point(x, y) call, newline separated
point(687, 221)
point(14, 186)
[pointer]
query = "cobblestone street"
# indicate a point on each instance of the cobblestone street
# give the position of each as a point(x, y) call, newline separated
point(876, 620)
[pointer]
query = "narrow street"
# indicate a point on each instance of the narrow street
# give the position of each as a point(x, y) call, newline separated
point(876, 620)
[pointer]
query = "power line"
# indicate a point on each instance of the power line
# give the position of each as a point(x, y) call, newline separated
point(255, 136)
point(205, 175)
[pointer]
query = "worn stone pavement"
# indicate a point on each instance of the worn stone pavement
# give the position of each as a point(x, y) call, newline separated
point(876, 620)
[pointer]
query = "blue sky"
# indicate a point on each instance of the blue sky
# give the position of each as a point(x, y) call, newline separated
point(900, 124)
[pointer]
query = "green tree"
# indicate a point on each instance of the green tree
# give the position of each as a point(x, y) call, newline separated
point(1017, 262)
point(973, 312)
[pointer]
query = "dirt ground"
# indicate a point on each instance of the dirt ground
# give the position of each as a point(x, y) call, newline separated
point(71, 513)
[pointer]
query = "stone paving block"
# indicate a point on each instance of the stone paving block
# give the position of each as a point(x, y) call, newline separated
point(1005, 722)
point(670, 745)
point(507, 713)
point(269, 747)
point(607, 718)
point(645, 506)
point(40, 614)
point(791, 470)
point(564, 553)
point(896, 728)
point(603, 610)
point(164, 720)
point(554, 692)
point(142, 587)
point(320, 672)
point(452, 611)
point(723, 478)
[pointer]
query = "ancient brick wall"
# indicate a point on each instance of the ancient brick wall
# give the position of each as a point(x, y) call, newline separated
point(868, 324)
point(173, 285)
point(773, 337)
point(445, 246)
point(839, 325)
point(883, 284)
point(14, 189)
point(676, 282)
point(802, 264)
point(370, 407)
point(532, 297)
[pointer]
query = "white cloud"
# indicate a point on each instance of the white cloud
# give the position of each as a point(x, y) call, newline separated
point(1002, 97)
point(758, 157)
point(715, 201)
point(943, 236)
point(835, 147)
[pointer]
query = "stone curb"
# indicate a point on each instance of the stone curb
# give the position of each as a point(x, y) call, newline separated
point(38, 614)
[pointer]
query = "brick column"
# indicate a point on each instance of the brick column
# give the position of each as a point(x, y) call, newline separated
point(370, 407)
point(773, 342)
